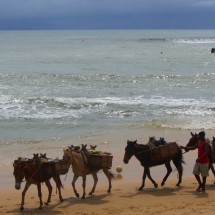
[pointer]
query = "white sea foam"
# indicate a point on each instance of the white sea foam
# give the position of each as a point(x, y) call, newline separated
point(195, 40)
point(59, 107)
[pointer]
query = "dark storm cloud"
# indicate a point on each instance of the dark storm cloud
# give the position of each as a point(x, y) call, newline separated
point(51, 14)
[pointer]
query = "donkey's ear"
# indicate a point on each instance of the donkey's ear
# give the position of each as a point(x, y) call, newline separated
point(135, 141)
point(93, 147)
point(192, 134)
point(129, 142)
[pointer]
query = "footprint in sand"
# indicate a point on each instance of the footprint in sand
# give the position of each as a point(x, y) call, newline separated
point(117, 189)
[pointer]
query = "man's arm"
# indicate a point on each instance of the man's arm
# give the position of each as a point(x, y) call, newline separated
point(187, 148)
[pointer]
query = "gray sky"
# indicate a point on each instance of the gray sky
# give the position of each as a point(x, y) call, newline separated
point(107, 14)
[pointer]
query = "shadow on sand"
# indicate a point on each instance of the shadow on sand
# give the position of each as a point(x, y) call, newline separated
point(52, 208)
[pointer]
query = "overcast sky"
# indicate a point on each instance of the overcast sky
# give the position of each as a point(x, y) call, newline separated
point(107, 14)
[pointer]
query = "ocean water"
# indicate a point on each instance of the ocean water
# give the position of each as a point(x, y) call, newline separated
point(58, 86)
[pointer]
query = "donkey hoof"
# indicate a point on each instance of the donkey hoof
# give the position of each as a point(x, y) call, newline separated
point(83, 197)
point(156, 185)
point(109, 191)
point(178, 185)
point(46, 203)
point(77, 195)
point(40, 208)
point(21, 208)
point(163, 183)
point(140, 189)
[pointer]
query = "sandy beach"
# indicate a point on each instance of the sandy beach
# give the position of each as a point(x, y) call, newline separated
point(125, 197)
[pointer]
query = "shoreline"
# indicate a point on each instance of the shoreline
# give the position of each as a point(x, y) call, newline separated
point(115, 143)
point(112, 141)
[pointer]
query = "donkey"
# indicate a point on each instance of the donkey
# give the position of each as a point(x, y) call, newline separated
point(142, 153)
point(36, 173)
point(81, 168)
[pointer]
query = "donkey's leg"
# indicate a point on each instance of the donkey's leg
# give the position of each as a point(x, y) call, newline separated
point(75, 177)
point(59, 185)
point(109, 176)
point(211, 159)
point(143, 180)
point(95, 177)
point(169, 170)
point(84, 186)
point(151, 179)
point(27, 185)
point(40, 195)
point(212, 168)
point(178, 164)
point(49, 186)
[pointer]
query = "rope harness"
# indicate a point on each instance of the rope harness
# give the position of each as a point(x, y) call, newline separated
point(150, 149)
point(34, 173)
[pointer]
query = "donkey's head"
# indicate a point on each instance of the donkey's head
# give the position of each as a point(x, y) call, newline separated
point(18, 172)
point(193, 140)
point(129, 150)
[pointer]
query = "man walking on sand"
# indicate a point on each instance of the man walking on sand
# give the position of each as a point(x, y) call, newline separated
point(202, 162)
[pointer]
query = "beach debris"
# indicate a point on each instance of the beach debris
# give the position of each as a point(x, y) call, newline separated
point(119, 169)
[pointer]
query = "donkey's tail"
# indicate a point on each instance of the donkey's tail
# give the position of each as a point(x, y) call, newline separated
point(61, 185)
point(58, 182)
point(180, 153)
point(182, 159)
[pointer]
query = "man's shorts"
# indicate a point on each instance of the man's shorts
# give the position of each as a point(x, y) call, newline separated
point(201, 168)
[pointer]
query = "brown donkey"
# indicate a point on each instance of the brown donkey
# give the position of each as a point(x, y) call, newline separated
point(36, 172)
point(80, 167)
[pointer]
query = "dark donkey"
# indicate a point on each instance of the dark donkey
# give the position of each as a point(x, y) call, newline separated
point(36, 173)
point(193, 142)
point(142, 153)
